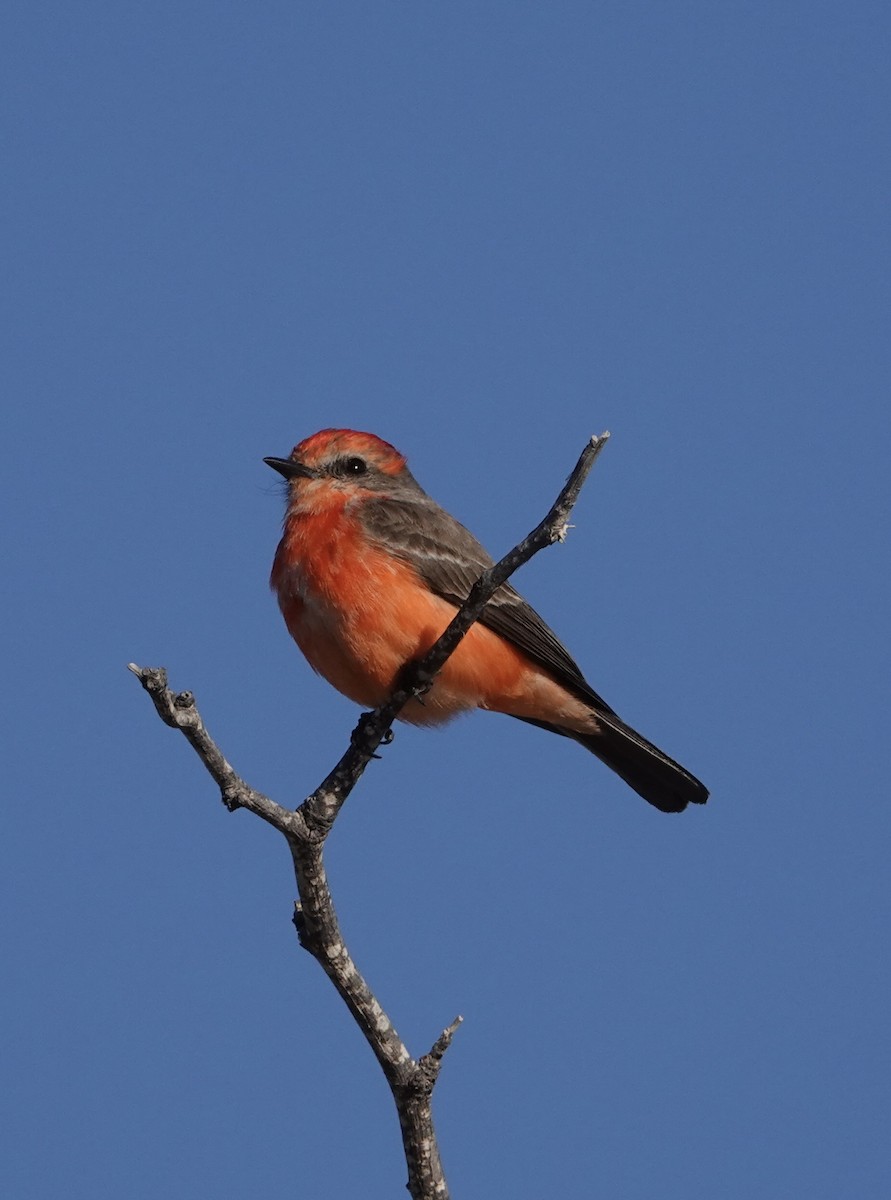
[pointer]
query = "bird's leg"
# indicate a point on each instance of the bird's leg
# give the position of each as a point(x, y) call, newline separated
point(365, 735)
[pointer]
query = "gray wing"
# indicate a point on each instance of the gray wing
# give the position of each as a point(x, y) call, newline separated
point(450, 560)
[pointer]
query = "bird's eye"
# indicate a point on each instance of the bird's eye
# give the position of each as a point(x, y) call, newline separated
point(353, 466)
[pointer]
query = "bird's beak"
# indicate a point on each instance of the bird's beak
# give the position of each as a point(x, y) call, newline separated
point(290, 468)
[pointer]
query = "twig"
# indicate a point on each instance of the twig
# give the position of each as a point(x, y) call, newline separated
point(411, 1082)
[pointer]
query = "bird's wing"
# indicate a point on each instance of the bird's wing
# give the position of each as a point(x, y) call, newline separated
point(450, 560)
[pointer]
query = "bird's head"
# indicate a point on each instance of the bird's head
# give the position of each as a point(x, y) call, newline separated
point(346, 459)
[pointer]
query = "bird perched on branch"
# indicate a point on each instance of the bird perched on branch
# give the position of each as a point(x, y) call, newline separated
point(370, 571)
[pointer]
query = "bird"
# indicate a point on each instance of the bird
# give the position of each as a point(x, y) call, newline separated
point(369, 572)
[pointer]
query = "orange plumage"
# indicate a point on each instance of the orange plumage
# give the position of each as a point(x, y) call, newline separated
point(370, 571)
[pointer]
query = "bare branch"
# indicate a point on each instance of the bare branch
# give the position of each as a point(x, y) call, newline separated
point(177, 709)
point(411, 1082)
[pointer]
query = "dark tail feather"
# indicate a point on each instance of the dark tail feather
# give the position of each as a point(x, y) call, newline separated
point(643, 766)
point(652, 774)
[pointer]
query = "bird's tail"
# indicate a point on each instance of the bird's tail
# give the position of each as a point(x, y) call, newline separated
point(643, 766)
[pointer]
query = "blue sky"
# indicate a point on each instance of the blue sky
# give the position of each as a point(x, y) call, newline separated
point(484, 232)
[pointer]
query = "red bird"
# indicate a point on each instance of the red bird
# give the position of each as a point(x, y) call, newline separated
point(370, 571)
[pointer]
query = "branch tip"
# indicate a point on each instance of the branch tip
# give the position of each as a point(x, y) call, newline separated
point(442, 1043)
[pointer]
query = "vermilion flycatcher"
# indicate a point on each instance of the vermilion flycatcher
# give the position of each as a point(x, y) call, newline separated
point(370, 571)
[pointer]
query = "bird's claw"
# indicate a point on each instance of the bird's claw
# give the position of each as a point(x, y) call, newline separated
point(363, 737)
